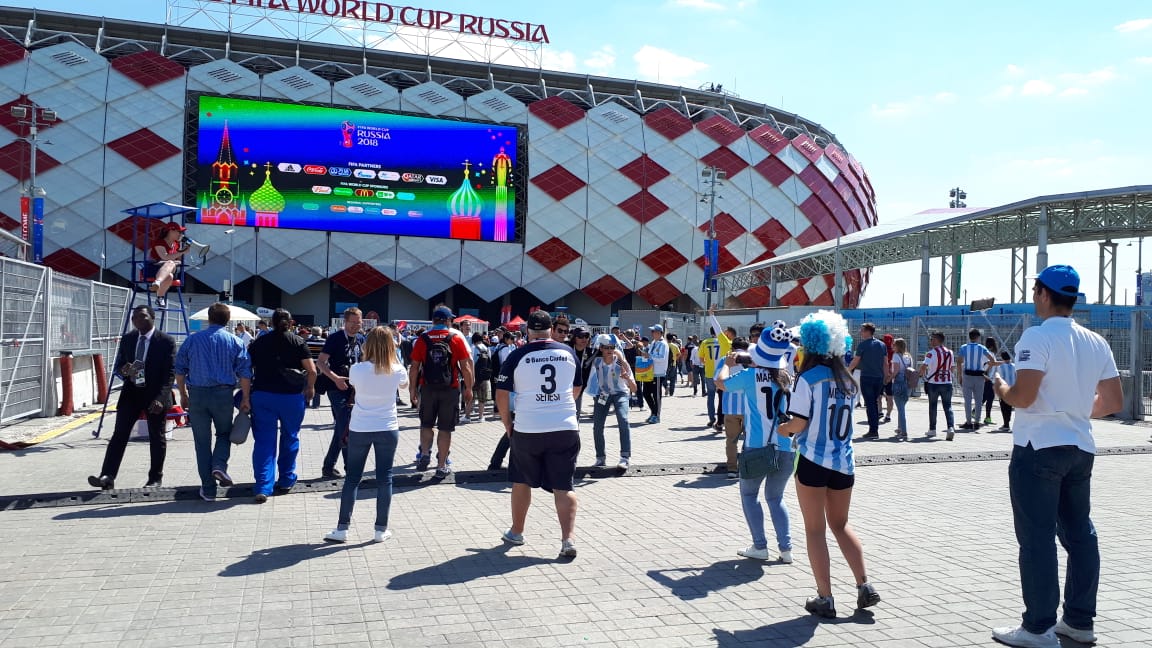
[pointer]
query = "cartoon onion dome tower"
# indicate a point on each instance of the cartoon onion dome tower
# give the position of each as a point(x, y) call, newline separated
point(223, 204)
point(465, 206)
point(267, 202)
point(502, 165)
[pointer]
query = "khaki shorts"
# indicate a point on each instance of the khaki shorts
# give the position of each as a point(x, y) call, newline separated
point(482, 391)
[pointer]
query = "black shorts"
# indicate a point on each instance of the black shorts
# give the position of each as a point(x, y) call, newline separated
point(544, 459)
point(439, 407)
point(814, 475)
point(887, 389)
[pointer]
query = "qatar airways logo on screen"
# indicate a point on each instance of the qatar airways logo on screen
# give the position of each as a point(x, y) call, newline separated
point(353, 135)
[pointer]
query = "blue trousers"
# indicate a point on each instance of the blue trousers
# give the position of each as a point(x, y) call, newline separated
point(1051, 498)
point(870, 388)
point(942, 393)
point(710, 391)
point(619, 403)
point(359, 444)
point(210, 407)
point(774, 485)
point(271, 412)
point(341, 415)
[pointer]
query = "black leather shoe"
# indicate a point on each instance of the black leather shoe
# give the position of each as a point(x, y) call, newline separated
point(333, 473)
point(103, 482)
point(282, 490)
point(154, 483)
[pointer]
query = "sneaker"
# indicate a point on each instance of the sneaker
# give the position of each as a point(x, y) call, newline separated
point(871, 436)
point(951, 434)
point(786, 557)
point(601, 462)
point(443, 471)
point(567, 549)
point(422, 463)
point(930, 434)
point(887, 419)
point(260, 498)
point(651, 419)
point(753, 552)
point(222, 478)
point(205, 497)
point(866, 596)
point(988, 421)
point(623, 463)
point(821, 606)
point(336, 535)
point(331, 473)
point(1020, 637)
point(1075, 634)
point(732, 474)
point(381, 536)
point(1003, 428)
point(513, 538)
point(968, 425)
point(711, 422)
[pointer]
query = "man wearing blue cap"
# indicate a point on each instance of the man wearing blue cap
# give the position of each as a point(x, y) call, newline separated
point(1065, 376)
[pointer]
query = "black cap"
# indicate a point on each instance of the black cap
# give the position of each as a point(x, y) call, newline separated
point(539, 321)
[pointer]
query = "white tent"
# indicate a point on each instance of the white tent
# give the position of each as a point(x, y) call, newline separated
point(238, 315)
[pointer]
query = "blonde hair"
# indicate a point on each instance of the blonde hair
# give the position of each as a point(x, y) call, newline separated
point(900, 346)
point(380, 349)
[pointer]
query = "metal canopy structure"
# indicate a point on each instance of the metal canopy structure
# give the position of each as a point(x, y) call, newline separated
point(1098, 215)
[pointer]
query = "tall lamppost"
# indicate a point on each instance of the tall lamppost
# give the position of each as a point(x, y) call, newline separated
point(33, 116)
point(231, 232)
point(1139, 270)
point(712, 177)
point(957, 196)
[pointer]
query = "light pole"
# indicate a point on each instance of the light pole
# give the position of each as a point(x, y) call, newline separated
point(231, 263)
point(957, 196)
point(713, 177)
point(33, 115)
point(1139, 270)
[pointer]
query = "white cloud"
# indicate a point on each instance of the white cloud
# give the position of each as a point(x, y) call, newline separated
point(1143, 60)
point(893, 109)
point(1004, 92)
point(558, 60)
point(660, 65)
point(944, 97)
point(1134, 25)
point(601, 60)
point(1095, 77)
point(1074, 92)
point(1013, 71)
point(1036, 88)
point(705, 5)
point(919, 103)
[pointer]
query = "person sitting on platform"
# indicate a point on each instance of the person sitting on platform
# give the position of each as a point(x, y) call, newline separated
point(163, 256)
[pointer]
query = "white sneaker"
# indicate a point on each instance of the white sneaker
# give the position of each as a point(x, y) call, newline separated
point(336, 535)
point(623, 465)
point(381, 536)
point(753, 552)
point(1018, 636)
point(951, 434)
point(1075, 634)
point(931, 434)
point(567, 549)
point(786, 557)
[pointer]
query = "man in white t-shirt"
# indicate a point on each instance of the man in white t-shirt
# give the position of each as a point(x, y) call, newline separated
point(1065, 376)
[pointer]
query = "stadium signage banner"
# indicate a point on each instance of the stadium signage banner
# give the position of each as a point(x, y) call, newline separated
point(370, 11)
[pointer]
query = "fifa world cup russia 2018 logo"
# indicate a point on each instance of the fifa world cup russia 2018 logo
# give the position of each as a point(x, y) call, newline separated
point(347, 129)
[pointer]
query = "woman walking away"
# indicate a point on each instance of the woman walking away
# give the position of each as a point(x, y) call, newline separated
point(821, 408)
point(373, 426)
point(989, 372)
point(767, 457)
point(283, 381)
point(901, 369)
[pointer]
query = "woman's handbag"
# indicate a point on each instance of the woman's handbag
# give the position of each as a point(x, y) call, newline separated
point(757, 462)
point(241, 426)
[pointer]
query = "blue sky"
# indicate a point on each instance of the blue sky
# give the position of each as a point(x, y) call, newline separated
point(1006, 100)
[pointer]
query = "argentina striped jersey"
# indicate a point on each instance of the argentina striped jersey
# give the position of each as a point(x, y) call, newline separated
point(732, 402)
point(828, 407)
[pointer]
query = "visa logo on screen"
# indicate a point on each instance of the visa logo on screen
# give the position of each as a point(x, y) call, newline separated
point(365, 193)
point(342, 191)
point(412, 177)
point(288, 167)
point(321, 190)
point(338, 208)
point(388, 212)
point(315, 169)
point(404, 195)
point(388, 175)
point(355, 210)
point(367, 174)
point(436, 180)
point(340, 172)
point(385, 194)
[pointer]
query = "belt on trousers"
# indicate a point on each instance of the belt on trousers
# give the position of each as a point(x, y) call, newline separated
point(973, 373)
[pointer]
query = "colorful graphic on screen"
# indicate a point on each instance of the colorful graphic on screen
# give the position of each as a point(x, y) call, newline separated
point(269, 164)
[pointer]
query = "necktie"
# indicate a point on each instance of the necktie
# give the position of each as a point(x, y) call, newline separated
point(140, 348)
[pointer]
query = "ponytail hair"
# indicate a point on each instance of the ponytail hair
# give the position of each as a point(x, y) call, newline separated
point(281, 320)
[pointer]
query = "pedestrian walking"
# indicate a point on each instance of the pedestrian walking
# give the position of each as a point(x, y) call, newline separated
point(821, 408)
point(871, 358)
point(902, 383)
point(610, 385)
point(972, 360)
point(440, 375)
point(373, 427)
point(1007, 372)
point(936, 371)
point(732, 404)
point(341, 350)
point(1065, 376)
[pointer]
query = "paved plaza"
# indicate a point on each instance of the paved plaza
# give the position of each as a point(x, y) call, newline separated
point(657, 563)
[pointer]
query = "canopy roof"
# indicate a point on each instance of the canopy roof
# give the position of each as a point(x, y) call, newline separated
point(159, 210)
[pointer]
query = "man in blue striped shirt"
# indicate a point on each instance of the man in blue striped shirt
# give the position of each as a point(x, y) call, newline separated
point(972, 360)
point(208, 366)
point(733, 405)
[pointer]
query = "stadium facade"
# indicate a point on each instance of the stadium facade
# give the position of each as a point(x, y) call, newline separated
point(612, 216)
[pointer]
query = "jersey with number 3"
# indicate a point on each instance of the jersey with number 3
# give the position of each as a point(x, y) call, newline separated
point(828, 407)
point(542, 374)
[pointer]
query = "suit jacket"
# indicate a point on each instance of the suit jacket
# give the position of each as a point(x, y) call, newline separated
point(159, 367)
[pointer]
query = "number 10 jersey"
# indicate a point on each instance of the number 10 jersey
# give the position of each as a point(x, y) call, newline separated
point(828, 407)
point(541, 375)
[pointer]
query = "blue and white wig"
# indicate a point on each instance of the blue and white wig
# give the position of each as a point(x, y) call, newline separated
point(824, 333)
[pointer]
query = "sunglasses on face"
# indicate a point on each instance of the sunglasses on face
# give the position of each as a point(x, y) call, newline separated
point(562, 331)
point(607, 348)
point(583, 336)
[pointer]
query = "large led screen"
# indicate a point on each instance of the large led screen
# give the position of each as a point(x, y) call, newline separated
point(268, 164)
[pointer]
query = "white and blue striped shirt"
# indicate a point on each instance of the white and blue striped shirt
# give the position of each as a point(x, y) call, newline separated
point(828, 408)
point(733, 402)
point(1008, 373)
point(975, 356)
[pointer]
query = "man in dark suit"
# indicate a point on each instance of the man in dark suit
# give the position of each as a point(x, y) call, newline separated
point(145, 360)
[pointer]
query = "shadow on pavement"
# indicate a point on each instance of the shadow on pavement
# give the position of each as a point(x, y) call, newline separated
point(262, 561)
point(691, 583)
point(710, 436)
point(707, 481)
point(477, 563)
point(790, 633)
point(148, 508)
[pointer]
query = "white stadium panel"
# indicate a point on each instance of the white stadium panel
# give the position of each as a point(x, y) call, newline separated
point(84, 70)
point(796, 190)
point(793, 158)
point(223, 77)
point(433, 99)
point(346, 250)
point(827, 168)
point(565, 148)
point(494, 105)
point(550, 286)
point(293, 275)
point(611, 124)
point(366, 91)
point(295, 84)
point(491, 269)
point(815, 287)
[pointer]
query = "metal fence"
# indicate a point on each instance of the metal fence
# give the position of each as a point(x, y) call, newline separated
point(44, 313)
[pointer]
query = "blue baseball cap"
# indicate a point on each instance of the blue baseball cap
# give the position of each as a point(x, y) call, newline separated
point(1060, 279)
point(442, 313)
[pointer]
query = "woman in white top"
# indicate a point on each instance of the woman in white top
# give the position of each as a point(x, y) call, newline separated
point(901, 390)
point(373, 426)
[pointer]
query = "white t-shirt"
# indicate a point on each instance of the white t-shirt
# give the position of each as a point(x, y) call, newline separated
point(542, 375)
point(1074, 360)
point(375, 408)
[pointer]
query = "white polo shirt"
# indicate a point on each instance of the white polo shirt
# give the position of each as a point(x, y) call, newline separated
point(1074, 360)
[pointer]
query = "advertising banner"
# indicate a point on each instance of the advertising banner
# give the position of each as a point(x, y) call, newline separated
point(711, 264)
point(38, 229)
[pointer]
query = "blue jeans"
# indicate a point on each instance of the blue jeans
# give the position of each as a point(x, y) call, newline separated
point(208, 407)
point(1051, 498)
point(341, 415)
point(359, 443)
point(900, 396)
point(269, 412)
point(870, 388)
point(618, 402)
point(939, 392)
point(774, 485)
point(710, 391)
point(670, 380)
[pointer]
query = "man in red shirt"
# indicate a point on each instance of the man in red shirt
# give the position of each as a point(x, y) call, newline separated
point(441, 366)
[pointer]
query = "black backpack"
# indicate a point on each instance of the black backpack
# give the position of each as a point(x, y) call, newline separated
point(437, 367)
point(483, 364)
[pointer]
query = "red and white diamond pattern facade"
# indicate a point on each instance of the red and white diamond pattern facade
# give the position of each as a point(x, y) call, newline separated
point(613, 196)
